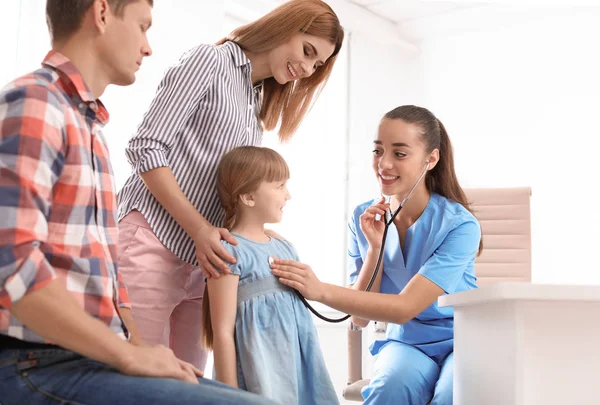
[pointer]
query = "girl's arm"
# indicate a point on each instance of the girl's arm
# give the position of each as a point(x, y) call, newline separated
point(223, 308)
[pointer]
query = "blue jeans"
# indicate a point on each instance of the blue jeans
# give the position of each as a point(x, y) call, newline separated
point(56, 376)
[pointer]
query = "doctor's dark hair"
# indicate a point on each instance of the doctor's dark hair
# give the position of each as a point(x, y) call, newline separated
point(64, 17)
point(442, 178)
point(287, 104)
point(241, 171)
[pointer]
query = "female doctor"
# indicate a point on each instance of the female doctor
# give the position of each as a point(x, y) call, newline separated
point(430, 251)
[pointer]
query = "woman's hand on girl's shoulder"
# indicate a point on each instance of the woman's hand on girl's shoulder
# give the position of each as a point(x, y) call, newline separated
point(211, 253)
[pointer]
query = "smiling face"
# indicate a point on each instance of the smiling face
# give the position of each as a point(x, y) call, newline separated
point(400, 156)
point(299, 57)
point(268, 201)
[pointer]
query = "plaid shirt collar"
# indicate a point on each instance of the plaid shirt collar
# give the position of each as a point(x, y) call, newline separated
point(74, 82)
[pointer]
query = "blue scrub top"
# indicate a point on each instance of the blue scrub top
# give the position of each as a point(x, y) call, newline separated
point(441, 246)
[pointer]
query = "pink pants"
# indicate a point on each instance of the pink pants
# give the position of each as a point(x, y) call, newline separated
point(165, 292)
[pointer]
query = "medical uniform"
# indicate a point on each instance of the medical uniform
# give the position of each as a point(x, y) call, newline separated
point(414, 362)
point(277, 347)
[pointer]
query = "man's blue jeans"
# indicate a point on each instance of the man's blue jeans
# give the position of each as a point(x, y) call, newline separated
point(56, 376)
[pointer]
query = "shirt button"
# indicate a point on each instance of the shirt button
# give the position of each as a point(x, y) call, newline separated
point(250, 106)
point(248, 129)
point(82, 106)
point(94, 106)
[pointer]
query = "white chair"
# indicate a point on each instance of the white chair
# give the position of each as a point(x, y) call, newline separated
point(504, 215)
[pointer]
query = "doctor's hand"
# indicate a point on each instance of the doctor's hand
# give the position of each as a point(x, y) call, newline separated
point(211, 253)
point(301, 277)
point(372, 227)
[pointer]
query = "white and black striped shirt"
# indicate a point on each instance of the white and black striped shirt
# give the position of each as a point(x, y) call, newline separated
point(205, 106)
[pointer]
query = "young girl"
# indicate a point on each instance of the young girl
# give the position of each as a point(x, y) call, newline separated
point(263, 337)
point(264, 75)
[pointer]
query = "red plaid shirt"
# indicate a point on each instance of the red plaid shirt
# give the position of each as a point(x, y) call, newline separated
point(57, 196)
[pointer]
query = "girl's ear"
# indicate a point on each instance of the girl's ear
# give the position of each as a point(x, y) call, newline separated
point(247, 199)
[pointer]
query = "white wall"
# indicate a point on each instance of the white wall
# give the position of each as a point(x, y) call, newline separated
point(382, 77)
point(520, 102)
point(9, 32)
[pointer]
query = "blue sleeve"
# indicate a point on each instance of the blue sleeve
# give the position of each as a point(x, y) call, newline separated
point(355, 260)
point(292, 249)
point(233, 250)
point(449, 262)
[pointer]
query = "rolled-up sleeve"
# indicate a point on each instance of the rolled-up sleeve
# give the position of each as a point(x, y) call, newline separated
point(32, 156)
point(176, 99)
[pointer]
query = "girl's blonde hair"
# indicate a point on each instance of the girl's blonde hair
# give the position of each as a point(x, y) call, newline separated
point(288, 103)
point(241, 171)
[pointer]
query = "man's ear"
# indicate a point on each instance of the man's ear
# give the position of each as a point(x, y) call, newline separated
point(100, 14)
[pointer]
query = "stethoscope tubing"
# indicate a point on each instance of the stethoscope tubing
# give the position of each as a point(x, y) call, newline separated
point(379, 257)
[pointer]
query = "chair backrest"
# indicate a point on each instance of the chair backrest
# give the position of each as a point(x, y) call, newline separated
point(505, 218)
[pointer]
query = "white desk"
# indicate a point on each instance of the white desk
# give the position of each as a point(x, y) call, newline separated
point(526, 344)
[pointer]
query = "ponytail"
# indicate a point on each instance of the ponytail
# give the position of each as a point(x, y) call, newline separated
point(230, 212)
point(442, 178)
point(207, 329)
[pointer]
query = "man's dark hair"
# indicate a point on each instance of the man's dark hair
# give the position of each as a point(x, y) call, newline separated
point(64, 17)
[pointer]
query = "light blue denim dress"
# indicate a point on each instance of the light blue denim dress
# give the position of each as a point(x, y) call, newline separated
point(277, 348)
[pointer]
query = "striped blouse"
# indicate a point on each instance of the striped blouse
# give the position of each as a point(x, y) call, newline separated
point(205, 106)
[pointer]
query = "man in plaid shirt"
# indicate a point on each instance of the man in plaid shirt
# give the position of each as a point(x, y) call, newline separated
point(66, 332)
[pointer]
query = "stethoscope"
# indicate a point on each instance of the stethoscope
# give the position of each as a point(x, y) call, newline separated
point(379, 257)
